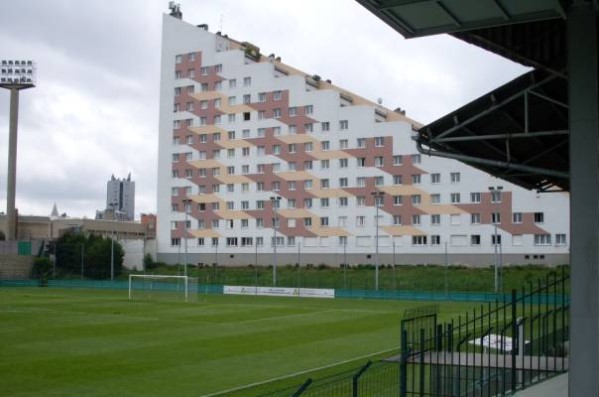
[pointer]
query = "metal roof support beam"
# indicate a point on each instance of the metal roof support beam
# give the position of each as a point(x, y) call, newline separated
point(496, 106)
point(493, 163)
point(583, 64)
point(501, 136)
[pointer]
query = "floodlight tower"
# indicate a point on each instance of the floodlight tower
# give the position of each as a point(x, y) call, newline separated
point(15, 75)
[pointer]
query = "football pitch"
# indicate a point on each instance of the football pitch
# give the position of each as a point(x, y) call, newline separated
point(75, 342)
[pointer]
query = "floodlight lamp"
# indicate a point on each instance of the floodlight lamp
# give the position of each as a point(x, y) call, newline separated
point(17, 74)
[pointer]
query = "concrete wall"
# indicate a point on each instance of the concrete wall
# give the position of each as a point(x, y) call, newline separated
point(476, 260)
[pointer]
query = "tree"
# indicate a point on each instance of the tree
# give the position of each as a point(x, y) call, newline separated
point(96, 255)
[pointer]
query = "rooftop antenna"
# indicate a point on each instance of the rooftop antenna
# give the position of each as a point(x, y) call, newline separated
point(175, 9)
point(222, 20)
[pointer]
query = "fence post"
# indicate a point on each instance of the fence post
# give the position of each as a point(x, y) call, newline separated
point(302, 388)
point(403, 365)
point(357, 376)
point(514, 340)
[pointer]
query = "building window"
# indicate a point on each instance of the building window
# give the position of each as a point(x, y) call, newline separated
point(292, 111)
point(496, 239)
point(360, 201)
point(325, 126)
point(343, 144)
point(455, 177)
point(361, 162)
point(247, 81)
point(415, 220)
point(397, 200)
point(416, 199)
point(308, 109)
point(309, 127)
point(418, 240)
point(397, 160)
point(379, 141)
point(496, 218)
point(435, 219)
point(175, 241)
point(496, 196)
point(455, 198)
point(435, 239)
point(397, 220)
point(517, 217)
point(475, 197)
point(360, 221)
point(277, 95)
point(276, 113)
point(542, 239)
point(416, 178)
point(343, 163)
point(379, 180)
point(324, 183)
point(416, 159)
point(560, 239)
point(308, 203)
point(379, 161)
point(308, 222)
point(361, 181)
point(475, 239)
point(475, 219)
point(343, 201)
point(324, 221)
point(343, 125)
point(261, 97)
point(325, 145)
point(361, 143)
point(539, 217)
point(435, 198)
point(308, 147)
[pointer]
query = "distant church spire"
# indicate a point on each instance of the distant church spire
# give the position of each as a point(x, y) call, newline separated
point(54, 213)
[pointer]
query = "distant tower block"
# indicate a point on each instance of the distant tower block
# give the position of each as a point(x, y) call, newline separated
point(15, 75)
point(120, 196)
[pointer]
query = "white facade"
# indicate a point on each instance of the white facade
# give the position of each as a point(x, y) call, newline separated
point(324, 151)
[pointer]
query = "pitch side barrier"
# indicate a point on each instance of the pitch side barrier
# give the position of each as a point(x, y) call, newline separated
point(306, 292)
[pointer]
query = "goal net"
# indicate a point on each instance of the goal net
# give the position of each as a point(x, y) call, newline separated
point(146, 286)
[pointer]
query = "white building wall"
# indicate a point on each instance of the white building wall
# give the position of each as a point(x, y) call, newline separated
point(182, 38)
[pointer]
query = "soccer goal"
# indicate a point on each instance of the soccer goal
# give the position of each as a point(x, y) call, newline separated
point(149, 286)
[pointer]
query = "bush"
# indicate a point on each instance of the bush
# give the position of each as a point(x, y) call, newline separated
point(149, 263)
point(42, 267)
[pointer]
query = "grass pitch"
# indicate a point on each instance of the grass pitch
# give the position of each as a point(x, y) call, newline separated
point(58, 342)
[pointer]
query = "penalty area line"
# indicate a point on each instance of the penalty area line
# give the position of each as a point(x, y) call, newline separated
point(219, 393)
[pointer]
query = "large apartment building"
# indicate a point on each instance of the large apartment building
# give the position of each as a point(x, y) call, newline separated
point(255, 153)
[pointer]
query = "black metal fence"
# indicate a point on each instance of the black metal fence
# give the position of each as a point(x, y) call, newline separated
point(375, 379)
point(496, 349)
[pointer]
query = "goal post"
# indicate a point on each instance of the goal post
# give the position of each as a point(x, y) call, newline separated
point(155, 286)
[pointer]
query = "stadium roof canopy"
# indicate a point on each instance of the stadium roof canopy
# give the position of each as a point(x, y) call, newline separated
point(518, 132)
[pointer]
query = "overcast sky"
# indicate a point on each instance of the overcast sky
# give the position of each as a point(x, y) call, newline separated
point(94, 111)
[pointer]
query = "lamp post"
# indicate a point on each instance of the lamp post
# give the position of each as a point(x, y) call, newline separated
point(376, 196)
point(114, 214)
point(186, 203)
point(113, 206)
point(274, 200)
point(15, 75)
point(496, 198)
